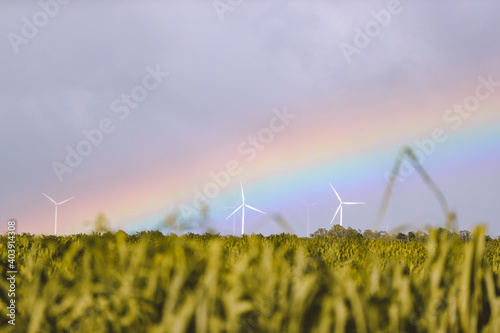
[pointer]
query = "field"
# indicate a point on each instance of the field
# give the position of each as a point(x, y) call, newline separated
point(149, 282)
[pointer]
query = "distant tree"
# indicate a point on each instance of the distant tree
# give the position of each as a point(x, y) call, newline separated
point(402, 237)
point(369, 234)
point(337, 231)
point(421, 236)
point(444, 231)
point(353, 233)
point(321, 232)
point(465, 235)
point(411, 236)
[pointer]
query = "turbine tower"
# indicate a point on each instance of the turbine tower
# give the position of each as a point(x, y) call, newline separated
point(234, 216)
point(243, 205)
point(56, 204)
point(308, 211)
point(341, 204)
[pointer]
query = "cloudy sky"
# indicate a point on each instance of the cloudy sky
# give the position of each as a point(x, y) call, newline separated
point(143, 110)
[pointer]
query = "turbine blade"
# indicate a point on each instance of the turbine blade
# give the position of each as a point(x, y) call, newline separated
point(338, 196)
point(334, 216)
point(237, 209)
point(255, 209)
point(354, 203)
point(65, 201)
point(231, 207)
point(242, 193)
point(49, 198)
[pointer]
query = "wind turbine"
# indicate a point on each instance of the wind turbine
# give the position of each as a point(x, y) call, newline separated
point(308, 211)
point(243, 205)
point(342, 203)
point(56, 204)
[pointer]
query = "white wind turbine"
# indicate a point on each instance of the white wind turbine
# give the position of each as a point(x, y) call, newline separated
point(56, 204)
point(308, 211)
point(342, 203)
point(243, 205)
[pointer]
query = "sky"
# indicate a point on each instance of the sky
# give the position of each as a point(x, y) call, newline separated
point(154, 112)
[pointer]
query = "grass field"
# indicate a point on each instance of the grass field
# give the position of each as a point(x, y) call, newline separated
point(148, 282)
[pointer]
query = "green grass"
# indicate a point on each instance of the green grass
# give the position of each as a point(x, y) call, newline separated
point(206, 283)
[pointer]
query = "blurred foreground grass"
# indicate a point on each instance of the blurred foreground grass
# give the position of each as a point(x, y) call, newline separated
point(207, 283)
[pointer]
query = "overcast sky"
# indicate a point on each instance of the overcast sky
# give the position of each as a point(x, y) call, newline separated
point(181, 87)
